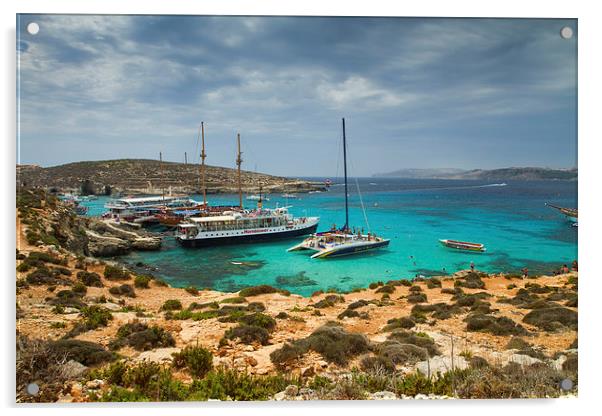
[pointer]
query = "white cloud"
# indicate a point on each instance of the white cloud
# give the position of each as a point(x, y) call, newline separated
point(357, 90)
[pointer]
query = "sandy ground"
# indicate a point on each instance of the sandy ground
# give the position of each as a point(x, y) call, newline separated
point(39, 321)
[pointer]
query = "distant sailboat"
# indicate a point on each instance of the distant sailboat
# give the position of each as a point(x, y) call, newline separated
point(569, 213)
point(341, 242)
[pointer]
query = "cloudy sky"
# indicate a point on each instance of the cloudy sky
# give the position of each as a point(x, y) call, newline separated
point(463, 93)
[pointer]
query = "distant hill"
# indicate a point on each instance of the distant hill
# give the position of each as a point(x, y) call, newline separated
point(149, 176)
point(421, 173)
point(525, 174)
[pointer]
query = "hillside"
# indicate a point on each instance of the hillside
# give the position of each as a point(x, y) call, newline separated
point(524, 174)
point(149, 176)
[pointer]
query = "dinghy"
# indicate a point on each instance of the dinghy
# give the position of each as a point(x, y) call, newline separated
point(463, 245)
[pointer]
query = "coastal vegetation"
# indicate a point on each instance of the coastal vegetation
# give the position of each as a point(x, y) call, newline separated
point(82, 336)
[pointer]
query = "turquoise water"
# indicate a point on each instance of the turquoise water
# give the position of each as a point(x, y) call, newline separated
point(512, 221)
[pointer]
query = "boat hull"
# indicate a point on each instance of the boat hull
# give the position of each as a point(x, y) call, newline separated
point(248, 238)
point(349, 250)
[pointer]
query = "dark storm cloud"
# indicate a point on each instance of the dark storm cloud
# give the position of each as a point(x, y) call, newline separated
point(417, 92)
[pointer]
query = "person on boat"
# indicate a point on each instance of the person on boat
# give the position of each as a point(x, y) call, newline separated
point(574, 266)
point(472, 266)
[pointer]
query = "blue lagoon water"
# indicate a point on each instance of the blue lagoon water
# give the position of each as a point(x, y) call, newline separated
point(512, 221)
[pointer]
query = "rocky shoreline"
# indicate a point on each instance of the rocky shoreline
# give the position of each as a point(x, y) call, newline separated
point(89, 330)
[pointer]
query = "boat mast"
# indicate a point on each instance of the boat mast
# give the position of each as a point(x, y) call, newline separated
point(203, 156)
point(161, 174)
point(345, 170)
point(238, 163)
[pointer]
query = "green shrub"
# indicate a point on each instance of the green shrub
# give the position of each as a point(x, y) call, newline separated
point(260, 290)
point(86, 352)
point(348, 313)
point(90, 279)
point(386, 289)
point(142, 375)
point(373, 285)
point(517, 343)
point(282, 315)
point(255, 307)
point(494, 325)
point(236, 299)
point(403, 322)
point(416, 298)
point(230, 384)
point(433, 282)
point(197, 360)
point(192, 290)
point(171, 305)
point(402, 353)
point(23, 267)
point(141, 337)
point(142, 281)
point(44, 257)
point(123, 290)
point(330, 340)
point(259, 319)
point(358, 304)
point(378, 363)
point(418, 339)
point(80, 289)
point(248, 334)
point(116, 273)
point(42, 276)
point(67, 299)
point(329, 301)
point(95, 316)
point(552, 319)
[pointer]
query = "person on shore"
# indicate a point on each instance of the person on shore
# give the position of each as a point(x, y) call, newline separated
point(472, 266)
point(525, 273)
point(574, 266)
point(565, 269)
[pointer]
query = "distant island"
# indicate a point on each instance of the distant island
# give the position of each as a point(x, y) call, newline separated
point(519, 174)
point(145, 176)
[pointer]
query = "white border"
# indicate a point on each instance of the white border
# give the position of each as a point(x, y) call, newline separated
point(590, 69)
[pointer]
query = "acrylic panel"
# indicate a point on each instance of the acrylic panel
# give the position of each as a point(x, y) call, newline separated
point(295, 208)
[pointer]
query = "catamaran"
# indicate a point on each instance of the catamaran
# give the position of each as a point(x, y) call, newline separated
point(341, 242)
point(243, 225)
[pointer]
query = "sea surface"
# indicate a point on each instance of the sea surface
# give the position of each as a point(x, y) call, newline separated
point(510, 218)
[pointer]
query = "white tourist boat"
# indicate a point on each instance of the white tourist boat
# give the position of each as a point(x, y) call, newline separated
point(130, 209)
point(243, 226)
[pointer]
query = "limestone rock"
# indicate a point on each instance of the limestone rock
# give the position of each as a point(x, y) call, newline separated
point(95, 384)
point(382, 395)
point(159, 355)
point(441, 364)
point(72, 370)
point(291, 390)
point(523, 359)
point(308, 371)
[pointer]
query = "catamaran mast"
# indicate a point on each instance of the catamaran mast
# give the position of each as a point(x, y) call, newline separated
point(345, 170)
point(203, 156)
point(238, 163)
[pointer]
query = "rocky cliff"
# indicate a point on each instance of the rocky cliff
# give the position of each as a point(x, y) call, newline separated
point(46, 221)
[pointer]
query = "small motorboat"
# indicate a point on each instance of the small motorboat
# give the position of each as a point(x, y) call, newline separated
point(463, 245)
